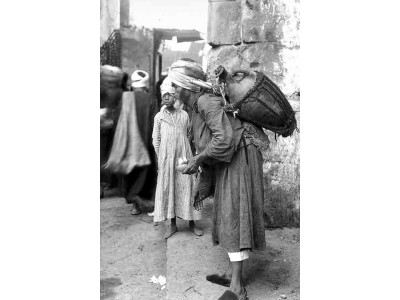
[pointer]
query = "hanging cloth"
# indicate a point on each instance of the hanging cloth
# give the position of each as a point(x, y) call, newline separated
point(128, 150)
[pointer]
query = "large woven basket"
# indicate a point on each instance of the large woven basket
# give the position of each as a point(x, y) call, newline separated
point(258, 100)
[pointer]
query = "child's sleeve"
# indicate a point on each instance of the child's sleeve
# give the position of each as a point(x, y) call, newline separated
point(156, 133)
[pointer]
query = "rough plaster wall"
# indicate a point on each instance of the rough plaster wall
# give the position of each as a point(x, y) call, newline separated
point(269, 33)
point(282, 176)
point(137, 45)
point(109, 18)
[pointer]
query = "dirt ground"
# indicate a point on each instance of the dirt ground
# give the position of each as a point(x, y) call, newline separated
point(133, 250)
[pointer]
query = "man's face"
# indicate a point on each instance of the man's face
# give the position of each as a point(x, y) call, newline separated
point(182, 94)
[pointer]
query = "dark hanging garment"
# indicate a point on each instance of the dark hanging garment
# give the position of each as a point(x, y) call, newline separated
point(110, 99)
point(141, 182)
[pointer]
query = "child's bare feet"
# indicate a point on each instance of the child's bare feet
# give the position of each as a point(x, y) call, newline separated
point(170, 231)
point(194, 229)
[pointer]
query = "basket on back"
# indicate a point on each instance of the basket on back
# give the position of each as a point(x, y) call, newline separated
point(258, 100)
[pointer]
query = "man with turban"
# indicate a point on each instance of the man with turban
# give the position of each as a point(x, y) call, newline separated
point(228, 155)
point(139, 185)
point(111, 90)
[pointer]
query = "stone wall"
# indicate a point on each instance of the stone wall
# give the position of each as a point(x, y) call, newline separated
point(263, 35)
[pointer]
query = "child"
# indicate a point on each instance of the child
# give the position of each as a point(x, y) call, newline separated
point(174, 189)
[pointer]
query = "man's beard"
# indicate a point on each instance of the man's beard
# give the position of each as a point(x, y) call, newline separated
point(184, 95)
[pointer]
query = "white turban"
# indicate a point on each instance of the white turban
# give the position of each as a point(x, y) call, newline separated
point(140, 79)
point(166, 87)
point(177, 74)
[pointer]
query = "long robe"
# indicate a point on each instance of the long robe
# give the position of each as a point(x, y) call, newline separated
point(111, 101)
point(174, 189)
point(128, 150)
point(142, 181)
point(237, 164)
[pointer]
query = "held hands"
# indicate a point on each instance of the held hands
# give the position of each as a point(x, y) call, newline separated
point(198, 205)
point(192, 166)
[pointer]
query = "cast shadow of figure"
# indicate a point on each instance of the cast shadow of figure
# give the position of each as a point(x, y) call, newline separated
point(107, 287)
point(266, 269)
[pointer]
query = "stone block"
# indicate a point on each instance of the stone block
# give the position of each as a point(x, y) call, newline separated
point(224, 26)
point(264, 57)
point(271, 21)
point(258, 21)
point(279, 63)
point(228, 56)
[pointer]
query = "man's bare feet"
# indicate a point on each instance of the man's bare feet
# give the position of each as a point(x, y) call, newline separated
point(231, 295)
point(223, 280)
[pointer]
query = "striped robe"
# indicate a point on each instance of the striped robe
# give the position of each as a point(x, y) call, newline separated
point(174, 189)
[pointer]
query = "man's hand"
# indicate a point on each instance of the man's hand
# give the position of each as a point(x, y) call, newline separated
point(197, 204)
point(195, 191)
point(194, 163)
point(192, 166)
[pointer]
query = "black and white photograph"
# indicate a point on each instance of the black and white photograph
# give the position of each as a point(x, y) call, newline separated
point(201, 166)
point(199, 146)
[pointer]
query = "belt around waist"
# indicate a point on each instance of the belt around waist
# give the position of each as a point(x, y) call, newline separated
point(244, 142)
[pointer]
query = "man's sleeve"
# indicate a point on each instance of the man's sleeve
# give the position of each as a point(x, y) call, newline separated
point(221, 146)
